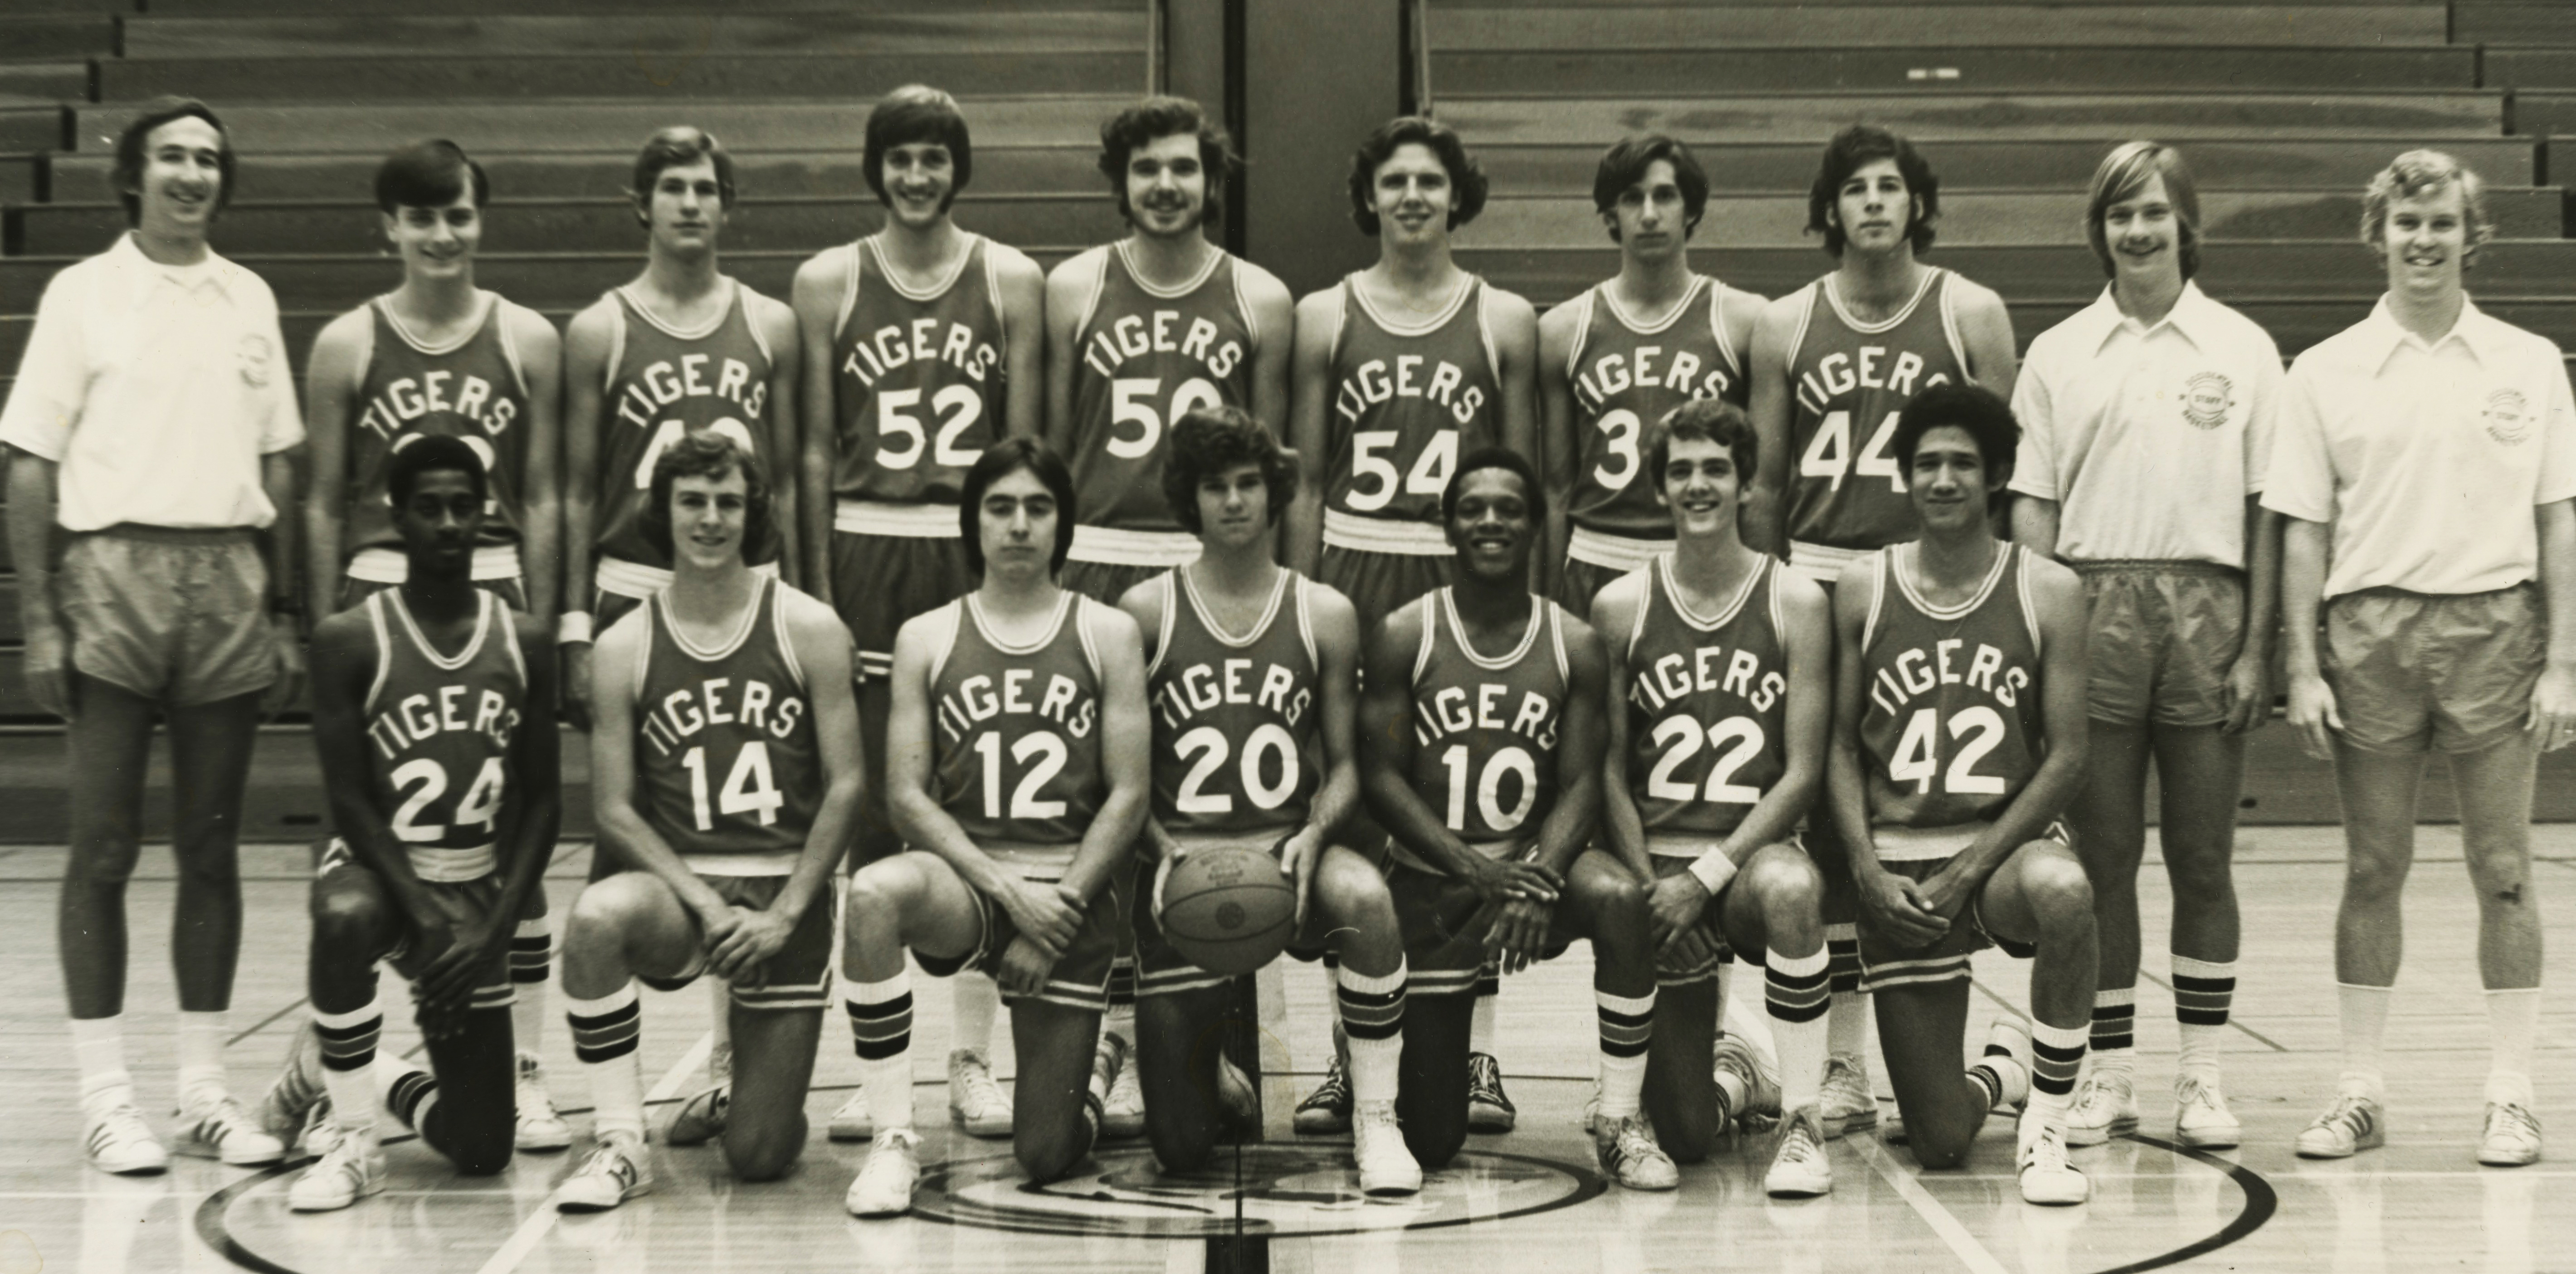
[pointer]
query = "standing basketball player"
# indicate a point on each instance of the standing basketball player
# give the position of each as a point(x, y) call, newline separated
point(432, 711)
point(2426, 461)
point(1612, 361)
point(2146, 426)
point(439, 357)
point(1833, 364)
point(924, 343)
point(725, 769)
point(1019, 775)
point(1716, 648)
point(1958, 735)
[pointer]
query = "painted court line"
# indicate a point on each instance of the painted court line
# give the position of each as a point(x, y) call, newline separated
point(533, 1230)
point(1964, 1245)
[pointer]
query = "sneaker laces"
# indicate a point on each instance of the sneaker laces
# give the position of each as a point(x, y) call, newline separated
point(2190, 1093)
point(2351, 1113)
point(2046, 1150)
point(983, 1092)
point(218, 1120)
point(1335, 1091)
point(608, 1160)
point(2519, 1122)
point(1634, 1139)
point(1799, 1142)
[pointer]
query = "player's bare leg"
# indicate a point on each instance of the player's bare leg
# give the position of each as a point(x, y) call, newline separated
point(2495, 788)
point(1774, 906)
point(2378, 792)
point(2203, 771)
point(1605, 903)
point(910, 900)
point(2040, 897)
point(627, 926)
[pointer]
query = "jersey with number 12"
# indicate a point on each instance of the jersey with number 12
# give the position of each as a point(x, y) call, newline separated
point(1015, 730)
point(1950, 709)
point(1148, 357)
point(1851, 380)
point(726, 753)
point(439, 726)
point(1408, 400)
point(664, 382)
point(918, 378)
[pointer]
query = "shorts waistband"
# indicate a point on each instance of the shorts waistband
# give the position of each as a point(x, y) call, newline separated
point(2156, 566)
point(1495, 850)
point(177, 535)
point(1031, 861)
point(1114, 546)
point(1683, 845)
point(492, 562)
point(453, 866)
point(1925, 844)
point(779, 862)
point(1822, 563)
point(2407, 594)
point(1385, 535)
point(1617, 552)
point(1193, 842)
point(635, 579)
point(903, 521)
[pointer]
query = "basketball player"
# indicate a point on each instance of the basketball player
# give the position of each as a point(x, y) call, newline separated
point(1019, 774)
point(439, 357)
point(1400, 369)
point(432, 714)
point(1958, 735)
point(924, 343)
point(2146, 426)
point(1481, 716)
point(1718, 648)
point(1252, 676)
point(1833, 364)
point(1613, 360)
point(725, 769)
point(2426, 461)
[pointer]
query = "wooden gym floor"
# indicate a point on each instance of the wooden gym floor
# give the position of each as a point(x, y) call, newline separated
point(1527, 1202)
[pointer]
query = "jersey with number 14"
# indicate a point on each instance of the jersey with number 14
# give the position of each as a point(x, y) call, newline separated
point(662, 383)
point(1407, 402)
point(439, 726)
point(1015, 730)
point(1150, 356)
point(726, 753)
point(1236, 747)
point(1951, 715)
point(1851, 380)
point(1485, 729)
point(1626, 375)
point(918, 378)
point(1708, 712)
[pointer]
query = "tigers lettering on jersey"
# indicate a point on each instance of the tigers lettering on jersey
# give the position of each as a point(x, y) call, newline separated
point(1853, 380)
point(1015, 742)
point(472, 389)
point(1406, 403)
point(439, 727)
point(1381, 380)
point(1486, 730)
point(979, 699)
point(660, 384)
point(1707, 704)
point(1237, 744)
point(919, 378)
point(663, 384)
point(879, 353)
point(1151, 355)
point(408, 399)
point(730, 761)
point(1952, 720)
point(1626, 376)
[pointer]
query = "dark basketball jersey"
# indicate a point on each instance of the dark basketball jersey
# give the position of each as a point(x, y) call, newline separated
point(1015, 739)
point(1851, 381)
point(1236, 743)
point(726, 752)
point(918, 378)
point(1626, 376)
point(663, 383)
point(1150, 356)
point(1707, 704)
point(1406, 404)
point(1485, 728)
point(472, 388)
point(439, 730)
point(1952, 720)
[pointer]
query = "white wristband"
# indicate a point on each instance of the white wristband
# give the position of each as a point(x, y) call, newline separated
point(1714, 869)
point(572, 627)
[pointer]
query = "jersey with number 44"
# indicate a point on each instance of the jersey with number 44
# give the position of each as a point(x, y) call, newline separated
point(1485, 728)
point(1408, 400)
point(663, 383)
point(1148, 357)
point(918, 377)
point(1851, 381)
point(1707, 704)
point(726, 755)
point(1950, 713)
point(1015, 729)
point(439, 726)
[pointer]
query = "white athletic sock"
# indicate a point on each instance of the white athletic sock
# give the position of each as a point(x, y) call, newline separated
point(880, 1016)
point(99, 1045)
point(977, 1000)
point(531, 960)
point(1627, 1026)
point(1847, 1026)
point(1373, 1021)
point(1480, 1024)
point(2114, 1044)
point(720, 1025)
point(201, 1058)
point(605, 1032)
point(2057, 1052)
point(1794, 992)
point(2204, 994)
point(2364, 1010)
point(2513, 1023)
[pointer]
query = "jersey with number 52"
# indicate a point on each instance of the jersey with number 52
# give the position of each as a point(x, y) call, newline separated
point(1149, 356)
point(1950, 710)
point(1852, 380)
point(1015, 729)
point(664, 383)
point(725, 750)
point(1707, 704)
point(1408, 400)
point(1485, 727)
point(439, 727)
point(917, 377)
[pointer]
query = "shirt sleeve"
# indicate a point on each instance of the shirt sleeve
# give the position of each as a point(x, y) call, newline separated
point(2035, 461)
point(2557, 439)
point(53, 376)
point(2262, 413)
point(2300, 481)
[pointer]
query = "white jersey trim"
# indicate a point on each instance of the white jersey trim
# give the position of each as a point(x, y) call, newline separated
point(1260, 627)
point(1063, 602)
point(1343, 530)
point(1448, 310)
point(1168, 625)
point(1620, 553)
point(492, 562)
point(1529, 636)
point(945, 644)
point(770, 862)
point(1127, 261)
point(899, 521)
point(1726, 614)
point(956, 270)
point(1657, 327)
point(724, 649)
point(786, 643)
point(1118, 546)
point(490, 303)
point(452, 866)
point(1948, 614)
point(733, 297)
point(1822, 563)
point(444, 663)
point(1931, 277)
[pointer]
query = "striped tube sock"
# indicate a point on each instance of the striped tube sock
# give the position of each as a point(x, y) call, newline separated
point(2364, 1012)
point(532, 957)
point(405, 1089)
point(1480, 1021)
point(2056, 1053)
point(348, 1057)
point(1627, 1027)
point(881, 1030)
point(976, 1000)
point(201, 1058)
point(2204, 990)
point(105, 1084)
point(604, 1035)
point(1794, 990)
point(1372, 1016)
point(1121, 1019)
point(1847, 1019)
point(1333, 974)
point(2115, 1039)
point(2513, 1024)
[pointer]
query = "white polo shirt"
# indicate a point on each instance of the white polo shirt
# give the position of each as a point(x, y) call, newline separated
point(157, 388)
point(2148, 437)
point(2426, 457)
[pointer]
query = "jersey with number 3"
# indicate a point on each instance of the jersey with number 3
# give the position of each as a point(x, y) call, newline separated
point(1625, 375)
point(1148, 357)
point(1236, 716)
point(439, 726)
point(918, 378)
point(1851, 380)
point(664, 382)
point(1707, 704)
point(1485, 728)
point(1015, 730)
point(1950, 713)
point(1408, 400)
point(726, 755)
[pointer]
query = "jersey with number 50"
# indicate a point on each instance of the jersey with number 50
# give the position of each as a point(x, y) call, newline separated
point(1485, 727)
point(664, 382)
point(727, 763)
point(1148, 356)
point(1015, 730)
point(1408, 400)
point(438, 734)
point(917, 378)
point(1950, 709)
point(1707, 704)
point(1851, 381)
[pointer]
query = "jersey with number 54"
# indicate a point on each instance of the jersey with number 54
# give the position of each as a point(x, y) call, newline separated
point(1707, 704)
point(664, 382)
point(917, 377)
point(726, 755)
point(1850, 381)
point(439, 730)
point(1015, 730)
point(1147, 357)
point(1408, 400)
point(1950, 714)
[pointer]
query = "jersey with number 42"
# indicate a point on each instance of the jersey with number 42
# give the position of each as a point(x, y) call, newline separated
point(917, 379)
point(1851, 381)
point(439, 726)
point(1707, 704)
point(726, 754)
point(1950, 713)
point(1148, 357)
point(663, 383)
point(1485, 728)
point(1407, 402)
point(1015, 730)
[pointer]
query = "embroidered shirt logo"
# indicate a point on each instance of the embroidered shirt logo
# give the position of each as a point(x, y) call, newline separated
point(2206, 398)
point(255, 358)
point(2508, 416)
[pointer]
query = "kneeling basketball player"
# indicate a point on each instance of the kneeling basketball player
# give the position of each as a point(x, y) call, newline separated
point(1959, 717)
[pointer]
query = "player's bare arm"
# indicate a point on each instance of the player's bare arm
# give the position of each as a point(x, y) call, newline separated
point(1773, 398)
point(541, 543)
point(2248, 689)
point(776, 322)
point(1557, 445)
point(623, 828)
point(47, 657)
point(1068, 291)
point(277, 543)
point(1144, 604)
point(1520, 931)
point(1738, 314)
point(1515, 328)
point(816, 299)
point(1386, 771)
point(1623, 828)
point(1310, 405)
point(1274, 318)
point(2058, 597)
point(1024, 319)
point(2553, 700)
point(2312, 711)
point(585, 369)
point(1126, 751)
point(1985, 329)
point(1337, 661)
point(1893, 902)
point(331, 376)
point(531, 817)
point(2034, 524)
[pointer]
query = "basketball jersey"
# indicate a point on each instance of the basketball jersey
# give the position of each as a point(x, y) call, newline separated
point(663, 382)
point(1407, 404)
point(1952, 716)
point(728, 765)
point(1236, 741)
point(1851, 381)
point(1015, 731)
point(1707, 704)
point(472, 388)
point(1625, 377)
point(918, 378)
point(1150, 356)
point(438, 734)
point(1485, 728)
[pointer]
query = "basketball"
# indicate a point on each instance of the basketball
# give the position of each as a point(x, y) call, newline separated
point(1229, 910)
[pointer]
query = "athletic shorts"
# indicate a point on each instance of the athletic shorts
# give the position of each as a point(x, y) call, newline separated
point(798, 977)
point(1160, 970)
point(2451, 672)
point(1104, 582)
point(639, 581)
point(1378, 583)
point(1444, 929)
point(1080, 979)
point(461, 903)
point(176, 616)
point(1582, 582)
point(880, 581)
point(513, 591)
point(1594, 558)
point(1884, 963)
point(2164, 635)
point(1670, 970)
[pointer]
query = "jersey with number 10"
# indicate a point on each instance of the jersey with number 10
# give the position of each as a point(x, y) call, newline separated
point(917, 380)
point(1707, 704)
point(1625, 376)
point(726, 752)
point(1851, 381)
point(1236, 740)
point(1407, 402)
point(1015, 730)
point(439, 726)
point(1485, 729)
point(662, 383)
point(1148, 357)
point(1950, 713)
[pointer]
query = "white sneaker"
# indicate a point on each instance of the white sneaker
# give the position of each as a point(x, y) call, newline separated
point(354, 1169)
point(298, 1088)
point(2201, 1117)
point(2046, 1176)
point(1761, 1092)
point(227, 1132)
point(121, 1142)
point(1799, 1168)
point(884, 1185)
point(2008, 1057)
point(1122, 1115)
point(2511, 1138)
point(540, 1128)
point(854, 1121)
point(2106, 1106)
point(1631, 1157)
point(2352, 1124)
point(618, 1170)
point(975, 1102)
point(1850, 1104)
point(1387, 1166)
point(701, 1118)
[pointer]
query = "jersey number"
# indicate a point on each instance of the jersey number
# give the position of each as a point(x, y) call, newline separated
point(1916, 760)
point(671, 431)
point(1829, 454)
point(748, 787)
point(480, 807)
point(957, 407)
point(1489, 787)
point(1050, 753)
point(1209, 744)
point(1430, 474)
point(1623, 427)
point(1680, 737)
point(1124, 409)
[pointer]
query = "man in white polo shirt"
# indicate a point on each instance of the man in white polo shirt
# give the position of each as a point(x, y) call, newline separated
point(2426, 457)
point(2146, 425)
point(150, 422)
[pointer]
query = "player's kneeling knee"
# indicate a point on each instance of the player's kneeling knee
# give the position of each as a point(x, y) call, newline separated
point(2058, 889)
point(764, 1158)
point(1787, 876)
point(343, 916)
point(1687, 1135)
point(1047, 1157)
point(488, 1156)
